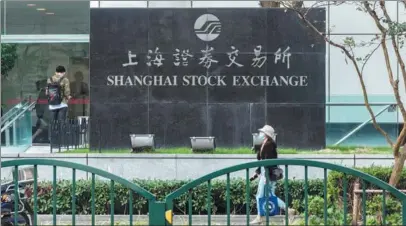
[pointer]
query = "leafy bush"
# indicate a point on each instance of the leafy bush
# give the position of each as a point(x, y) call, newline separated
point(238, 199)
point(336, 181)
point(374, 210)
point(382, 173)
point(335, 213)
point(161, 189)
point(8, 58)
point(393, 208)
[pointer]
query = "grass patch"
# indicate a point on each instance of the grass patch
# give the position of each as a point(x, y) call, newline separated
point(328, 150)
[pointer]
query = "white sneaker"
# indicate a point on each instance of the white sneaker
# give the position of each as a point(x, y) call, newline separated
point(291, 212)
point(257, 220)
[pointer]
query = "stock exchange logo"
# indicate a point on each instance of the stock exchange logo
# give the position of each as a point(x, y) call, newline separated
point(207, 27)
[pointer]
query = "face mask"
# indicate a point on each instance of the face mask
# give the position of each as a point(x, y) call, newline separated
point(261, 136)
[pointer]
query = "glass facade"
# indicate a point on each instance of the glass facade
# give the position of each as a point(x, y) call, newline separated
point(343, 85)
point(2, 17)
point(51, 33)
point(35, 64)
point(46, 17)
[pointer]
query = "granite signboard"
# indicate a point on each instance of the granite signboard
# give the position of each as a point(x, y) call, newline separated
point(178, 73)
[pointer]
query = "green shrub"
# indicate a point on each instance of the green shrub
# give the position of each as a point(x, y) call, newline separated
point(382, 173)
point(218, 192)
point(374, 201)
point(335, 207)
point(375, 210)
point(161, 189)
point(335, 181)
point(335, 213)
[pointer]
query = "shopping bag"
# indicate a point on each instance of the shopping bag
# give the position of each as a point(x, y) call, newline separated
point(273, 207)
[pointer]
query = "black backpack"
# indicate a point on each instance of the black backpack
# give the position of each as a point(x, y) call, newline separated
point(55, 94)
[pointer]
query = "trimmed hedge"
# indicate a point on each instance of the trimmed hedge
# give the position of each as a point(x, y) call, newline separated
point(161, 189)
point(237, 191)
point(382, 173)
point(335, 180)
point(374, 210)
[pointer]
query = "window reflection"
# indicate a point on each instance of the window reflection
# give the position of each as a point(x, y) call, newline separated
point(79, 86)
point(35, 64)
point(2, 17)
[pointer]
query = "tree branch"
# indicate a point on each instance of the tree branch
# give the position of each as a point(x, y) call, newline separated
point(401, 63)
point(404, 3)
point(396, 48)
point(394, 82)
point(359, 74)
point(369, 57)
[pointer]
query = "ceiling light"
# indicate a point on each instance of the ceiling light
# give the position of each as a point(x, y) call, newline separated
point(31, 5)
point(41, 9)
point(50, 13)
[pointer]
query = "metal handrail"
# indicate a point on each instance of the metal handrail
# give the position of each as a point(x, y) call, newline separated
point(13, 111)
point(30, 106)
point(334, 104)
point(361, 126)
point(10, 122)
point(359, 104)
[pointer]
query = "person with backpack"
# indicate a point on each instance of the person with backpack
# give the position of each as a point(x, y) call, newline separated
point(58, 92)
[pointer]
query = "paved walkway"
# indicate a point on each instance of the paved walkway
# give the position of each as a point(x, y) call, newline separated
point(143, 220)
point(35, 149)
point(42, 149)
point(13, 149)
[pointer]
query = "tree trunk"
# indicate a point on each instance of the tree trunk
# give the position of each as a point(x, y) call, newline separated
point(356, 203)
point(398, 167)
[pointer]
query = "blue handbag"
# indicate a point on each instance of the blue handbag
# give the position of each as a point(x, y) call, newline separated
point(272, 206)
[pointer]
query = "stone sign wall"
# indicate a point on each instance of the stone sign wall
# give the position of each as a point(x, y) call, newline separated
point(179, 73)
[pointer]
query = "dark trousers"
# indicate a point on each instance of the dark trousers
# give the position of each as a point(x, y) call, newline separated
point(58, 119)
point(59, 114)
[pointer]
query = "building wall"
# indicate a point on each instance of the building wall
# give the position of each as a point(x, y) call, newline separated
point(341, 82)
point(183, 167)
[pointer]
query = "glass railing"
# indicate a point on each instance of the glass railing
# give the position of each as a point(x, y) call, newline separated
point(14, 111)
point(347, 124)
point(16, 132)
point(350, 124)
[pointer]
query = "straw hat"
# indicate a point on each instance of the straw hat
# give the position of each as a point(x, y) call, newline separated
point(269, 131)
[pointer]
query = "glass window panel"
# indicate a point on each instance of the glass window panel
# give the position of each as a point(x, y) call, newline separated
point(226, 4)
point(47, 17)
point(2, 17)
point(169, 4)
point(343, 74)
point(94, 4)
point(315, 4)
point(123, 4)
point(368, 136)
point(345, 88)
point(346, 18)
point(35, 64)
